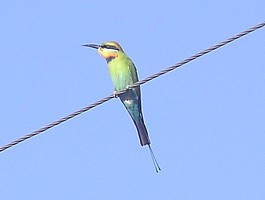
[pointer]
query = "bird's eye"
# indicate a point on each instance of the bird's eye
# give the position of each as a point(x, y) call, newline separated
point(110, 47)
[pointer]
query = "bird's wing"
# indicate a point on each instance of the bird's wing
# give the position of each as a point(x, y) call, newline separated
point(134, 75)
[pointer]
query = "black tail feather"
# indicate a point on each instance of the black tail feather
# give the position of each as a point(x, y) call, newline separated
point(142, 132)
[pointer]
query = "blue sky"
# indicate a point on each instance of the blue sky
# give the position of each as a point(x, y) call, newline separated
point(205, 119)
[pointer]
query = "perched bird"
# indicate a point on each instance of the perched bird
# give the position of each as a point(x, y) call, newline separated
point(123, 73)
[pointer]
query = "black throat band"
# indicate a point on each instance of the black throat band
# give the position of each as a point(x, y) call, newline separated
point(110, 59)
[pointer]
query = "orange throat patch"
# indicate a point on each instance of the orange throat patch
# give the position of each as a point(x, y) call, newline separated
point(108, 54)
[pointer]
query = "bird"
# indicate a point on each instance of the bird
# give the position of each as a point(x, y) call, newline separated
point(123, 73)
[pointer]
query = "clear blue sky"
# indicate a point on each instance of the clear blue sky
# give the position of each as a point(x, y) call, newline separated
point(206, 119)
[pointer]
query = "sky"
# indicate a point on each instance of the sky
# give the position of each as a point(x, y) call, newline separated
point(205, 119)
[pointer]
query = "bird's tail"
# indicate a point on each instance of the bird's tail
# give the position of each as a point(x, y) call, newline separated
point(132, 103)
point(142, 132)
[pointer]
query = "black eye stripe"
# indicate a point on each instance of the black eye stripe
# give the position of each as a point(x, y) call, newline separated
point(110, 47)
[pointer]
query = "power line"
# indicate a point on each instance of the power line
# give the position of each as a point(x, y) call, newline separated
point(156, 75)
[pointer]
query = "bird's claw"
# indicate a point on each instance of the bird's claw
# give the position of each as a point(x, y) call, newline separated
point(115, 94)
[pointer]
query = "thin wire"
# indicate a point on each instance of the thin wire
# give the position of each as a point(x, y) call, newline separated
point(156, 75)
point(55, 123)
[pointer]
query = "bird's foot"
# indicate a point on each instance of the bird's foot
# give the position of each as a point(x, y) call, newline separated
point(115, 94)
point(128, 87)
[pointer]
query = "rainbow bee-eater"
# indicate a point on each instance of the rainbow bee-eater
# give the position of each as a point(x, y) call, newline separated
point(123, 73)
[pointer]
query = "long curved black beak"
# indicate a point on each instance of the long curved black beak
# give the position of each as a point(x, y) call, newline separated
point(95, 46)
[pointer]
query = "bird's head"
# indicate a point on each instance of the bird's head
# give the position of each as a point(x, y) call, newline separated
point(107, 50)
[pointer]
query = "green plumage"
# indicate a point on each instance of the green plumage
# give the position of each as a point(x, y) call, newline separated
point(123, 73)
